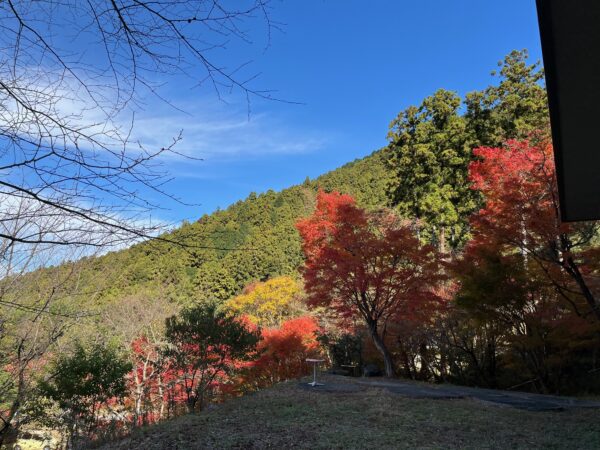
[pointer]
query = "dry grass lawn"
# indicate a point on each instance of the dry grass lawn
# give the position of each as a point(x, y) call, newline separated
point(287, 416)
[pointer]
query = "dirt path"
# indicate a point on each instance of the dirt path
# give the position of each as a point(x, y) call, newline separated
point(521, 400)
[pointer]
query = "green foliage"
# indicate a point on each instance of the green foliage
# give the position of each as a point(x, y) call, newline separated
point(204, 346)
point(343, 348)
point(430, 153)
point(84, 382)
point(514, 107)
point(252, 240)
point(431, 146)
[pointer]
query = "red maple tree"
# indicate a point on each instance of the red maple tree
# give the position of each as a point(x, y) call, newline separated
point(365, 264)
point(521, 214)
point(282, 353)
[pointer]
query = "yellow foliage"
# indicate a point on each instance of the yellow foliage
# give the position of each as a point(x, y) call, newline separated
point(270, 303)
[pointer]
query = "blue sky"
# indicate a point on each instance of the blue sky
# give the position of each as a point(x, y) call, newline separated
point(353, 65)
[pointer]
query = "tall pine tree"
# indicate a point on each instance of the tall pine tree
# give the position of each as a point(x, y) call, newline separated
point(431, 146)
point(430, 152)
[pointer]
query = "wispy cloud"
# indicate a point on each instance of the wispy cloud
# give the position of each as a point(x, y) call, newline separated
point(209, 128)
point(220, 131)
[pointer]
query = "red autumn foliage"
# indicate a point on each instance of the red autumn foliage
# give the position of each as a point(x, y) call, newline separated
point(316, 229)
point(521, 214)
point(158, 389)
point(518, 184)
point(283, 352)
point(529, 279)
point(145, 382)
point(367, 265)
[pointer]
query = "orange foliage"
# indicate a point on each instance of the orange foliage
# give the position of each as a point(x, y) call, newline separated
point(283, 352)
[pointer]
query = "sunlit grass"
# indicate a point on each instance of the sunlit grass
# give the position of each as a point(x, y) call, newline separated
point(287, 416)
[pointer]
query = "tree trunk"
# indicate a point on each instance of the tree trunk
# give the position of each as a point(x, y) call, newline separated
point(573, 270)
point(191, 402)
point(161, 395)
point(387, 356)
point(425, 369)
point(442, 246)
point(9, 424)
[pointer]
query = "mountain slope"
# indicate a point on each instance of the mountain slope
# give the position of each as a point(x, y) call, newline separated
point(253, 239)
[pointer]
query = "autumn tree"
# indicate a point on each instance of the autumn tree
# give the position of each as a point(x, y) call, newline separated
point(282, 353)
point(501, 301)
point(521, 213)
point(203, 347)
point(138, 323)
point(368, 265)
point(269, 303)
point(528, 279)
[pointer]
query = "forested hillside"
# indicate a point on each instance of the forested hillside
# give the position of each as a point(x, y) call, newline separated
point(216, 256)
point(438, 258)
point(255, 239)
point(422, 174)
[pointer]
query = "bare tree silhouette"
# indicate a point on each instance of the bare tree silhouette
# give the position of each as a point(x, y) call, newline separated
point(73, 74)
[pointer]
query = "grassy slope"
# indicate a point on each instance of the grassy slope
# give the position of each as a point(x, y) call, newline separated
point(286, 416)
